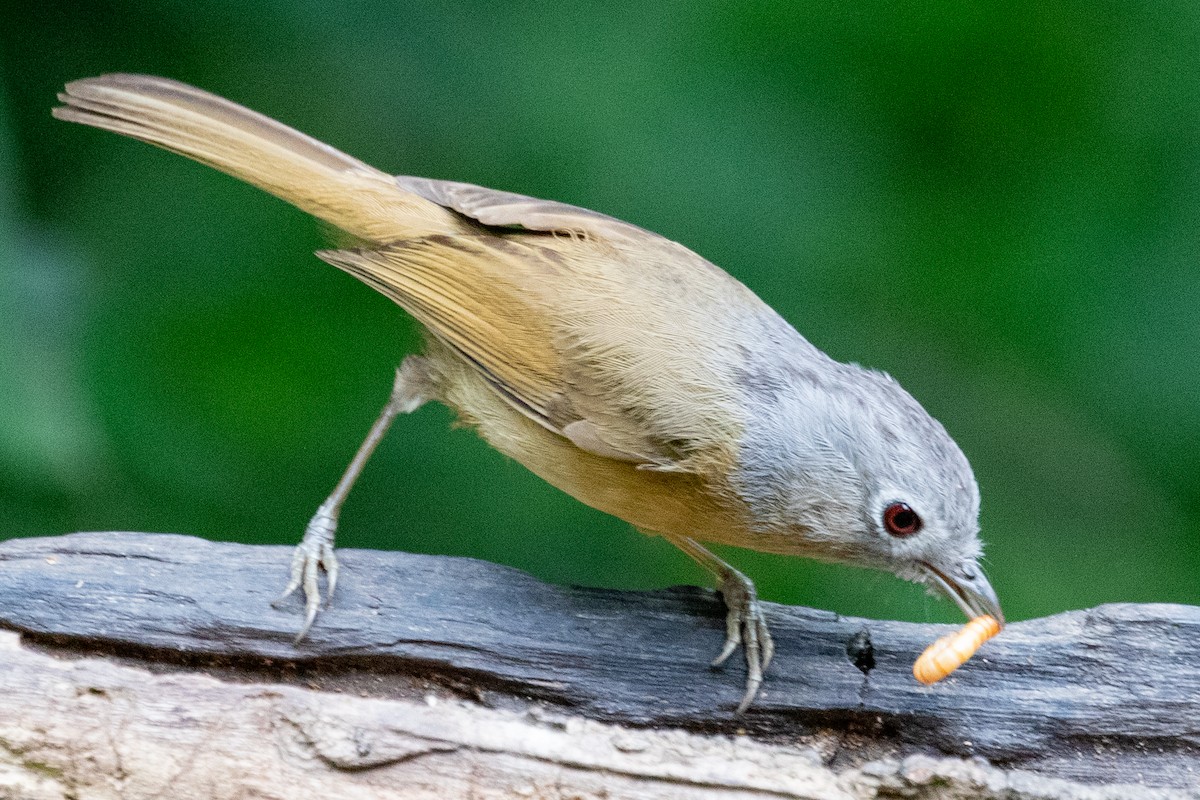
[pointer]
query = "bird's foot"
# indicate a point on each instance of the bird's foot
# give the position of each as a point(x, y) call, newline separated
point(745, 624)
point(313, 554)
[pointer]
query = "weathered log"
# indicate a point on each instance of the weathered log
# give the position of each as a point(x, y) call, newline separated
point(434, 676)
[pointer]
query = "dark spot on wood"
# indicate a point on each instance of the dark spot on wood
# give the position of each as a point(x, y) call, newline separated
point(861, 652)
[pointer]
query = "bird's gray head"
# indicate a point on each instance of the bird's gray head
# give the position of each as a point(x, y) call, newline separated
point(840, 463)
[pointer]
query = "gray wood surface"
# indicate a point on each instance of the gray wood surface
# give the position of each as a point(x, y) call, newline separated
point(1107, 695)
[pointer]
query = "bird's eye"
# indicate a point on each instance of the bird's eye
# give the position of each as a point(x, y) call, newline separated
point(900, 520)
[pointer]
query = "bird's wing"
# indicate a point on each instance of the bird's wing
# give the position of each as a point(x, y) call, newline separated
point(462, 289)
point(506, 209)
point(610, 336)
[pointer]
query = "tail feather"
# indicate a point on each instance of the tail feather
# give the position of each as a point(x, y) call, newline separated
point(313, 176)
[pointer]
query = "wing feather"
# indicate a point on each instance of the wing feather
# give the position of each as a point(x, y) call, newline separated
point(457, 290)
point(593, 335)
point(504, 209)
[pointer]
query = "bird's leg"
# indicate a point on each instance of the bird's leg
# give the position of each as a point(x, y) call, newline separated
point(745, 623)
point(315, 551)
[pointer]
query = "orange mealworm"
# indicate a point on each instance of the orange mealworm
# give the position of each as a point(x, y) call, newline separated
point(952, 650)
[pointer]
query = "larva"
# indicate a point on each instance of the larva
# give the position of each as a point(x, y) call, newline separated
point(953, 650)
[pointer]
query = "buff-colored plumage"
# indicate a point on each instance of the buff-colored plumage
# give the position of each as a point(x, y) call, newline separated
point(531, 314)
point(619, 366)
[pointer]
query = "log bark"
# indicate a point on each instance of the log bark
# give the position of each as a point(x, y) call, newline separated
point(152, 665)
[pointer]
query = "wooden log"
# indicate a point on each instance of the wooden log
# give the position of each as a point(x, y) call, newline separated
point(154, 660)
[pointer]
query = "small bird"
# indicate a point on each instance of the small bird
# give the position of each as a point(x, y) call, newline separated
point(619, 366)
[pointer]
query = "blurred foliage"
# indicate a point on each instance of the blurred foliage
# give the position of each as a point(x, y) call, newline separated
point(996, 202)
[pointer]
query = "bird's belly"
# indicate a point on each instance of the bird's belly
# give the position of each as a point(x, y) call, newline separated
point(659, 502)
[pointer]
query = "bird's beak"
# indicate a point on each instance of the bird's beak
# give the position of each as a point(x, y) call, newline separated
point(966, 585)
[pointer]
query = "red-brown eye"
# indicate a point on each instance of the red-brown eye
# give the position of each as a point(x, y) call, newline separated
point(900, 520)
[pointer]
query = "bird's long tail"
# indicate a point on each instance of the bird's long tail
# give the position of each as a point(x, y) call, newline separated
point(313, 176)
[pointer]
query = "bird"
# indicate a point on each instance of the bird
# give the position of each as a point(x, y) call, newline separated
point(618, 365)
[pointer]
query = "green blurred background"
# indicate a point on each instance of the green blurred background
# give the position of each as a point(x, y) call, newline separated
point(996, 202)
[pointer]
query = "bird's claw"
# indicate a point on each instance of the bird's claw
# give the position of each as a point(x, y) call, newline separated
point(313, 554)
point(745, 624)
